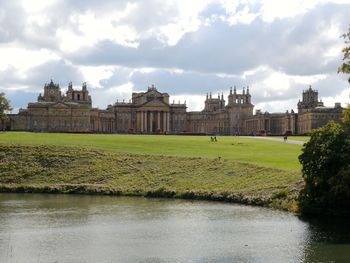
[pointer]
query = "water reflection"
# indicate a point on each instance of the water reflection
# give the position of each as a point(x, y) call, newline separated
point(328, 239)
point(66, 228)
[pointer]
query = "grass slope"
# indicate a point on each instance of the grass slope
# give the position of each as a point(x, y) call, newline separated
point(64, 169)
point(259, 152)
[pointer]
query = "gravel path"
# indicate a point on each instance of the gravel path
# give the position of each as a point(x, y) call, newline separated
point(276, 139)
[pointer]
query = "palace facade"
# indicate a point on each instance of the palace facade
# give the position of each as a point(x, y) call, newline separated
point(149, 112)
point(152, 112)
point(55, 112)
point(312, 114)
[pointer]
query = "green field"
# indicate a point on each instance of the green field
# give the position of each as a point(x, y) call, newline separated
point(260, 152)
point(235, 169)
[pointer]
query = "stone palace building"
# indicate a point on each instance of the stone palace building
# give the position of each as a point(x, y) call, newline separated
point(54, 112)
point(152, 112)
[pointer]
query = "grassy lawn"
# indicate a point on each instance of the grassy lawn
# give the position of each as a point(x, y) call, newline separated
point(47, 168)
point(259, 152)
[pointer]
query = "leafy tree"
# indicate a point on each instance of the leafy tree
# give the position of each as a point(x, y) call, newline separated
point(345, 66)
point(4, 107)
point(346, 119)
point(326, 161)
point(326, 171)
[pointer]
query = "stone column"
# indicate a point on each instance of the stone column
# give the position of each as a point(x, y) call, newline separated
point(141, 121)
point(158, 121)
point(168, 121)
point(151, 121)
point(164, 121)
point(137, 121)
point(146, 126)
point(122, 120)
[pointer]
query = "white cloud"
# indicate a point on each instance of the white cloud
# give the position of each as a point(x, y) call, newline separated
point(243, 17)
point(24, 59)
point(275, 9)
point(40, 20)
point(281, 82)
point(277, 106)
point(277, 82)
point(130, 25)
point(188, 48)
point(187, 21)
point(193, 102)
point(343, 97)
point(245, 11)
point(36, 6)
point(103, 97)
point(121, 89)
point(91, 28)
point(94, 74)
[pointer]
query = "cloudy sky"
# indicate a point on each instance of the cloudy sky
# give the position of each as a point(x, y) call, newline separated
point(186, 48)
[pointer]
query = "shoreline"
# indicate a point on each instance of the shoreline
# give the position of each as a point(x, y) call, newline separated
point(159, 193)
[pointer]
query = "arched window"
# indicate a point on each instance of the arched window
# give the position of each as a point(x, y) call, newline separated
point(78, 96)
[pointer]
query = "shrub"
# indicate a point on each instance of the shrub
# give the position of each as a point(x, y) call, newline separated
point(280, 194)
point(326, 171)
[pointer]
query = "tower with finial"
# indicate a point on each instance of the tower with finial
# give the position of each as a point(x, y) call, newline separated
point(239, 107)
point(236, 98)
point(69, 94)
point(78, 96)
point(52, 92)
point(309, 100)
point(214, 104)
point(70, 86)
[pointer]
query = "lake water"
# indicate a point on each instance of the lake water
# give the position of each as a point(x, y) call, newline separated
point(77, 228)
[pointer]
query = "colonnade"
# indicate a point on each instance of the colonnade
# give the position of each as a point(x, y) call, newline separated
point(152, 121)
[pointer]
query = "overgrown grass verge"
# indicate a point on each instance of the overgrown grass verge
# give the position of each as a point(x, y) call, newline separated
point(56, 169)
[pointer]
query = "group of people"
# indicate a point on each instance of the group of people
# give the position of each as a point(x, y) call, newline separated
point(213, 139)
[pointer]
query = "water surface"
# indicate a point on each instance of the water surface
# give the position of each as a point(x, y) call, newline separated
point(78, 228)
